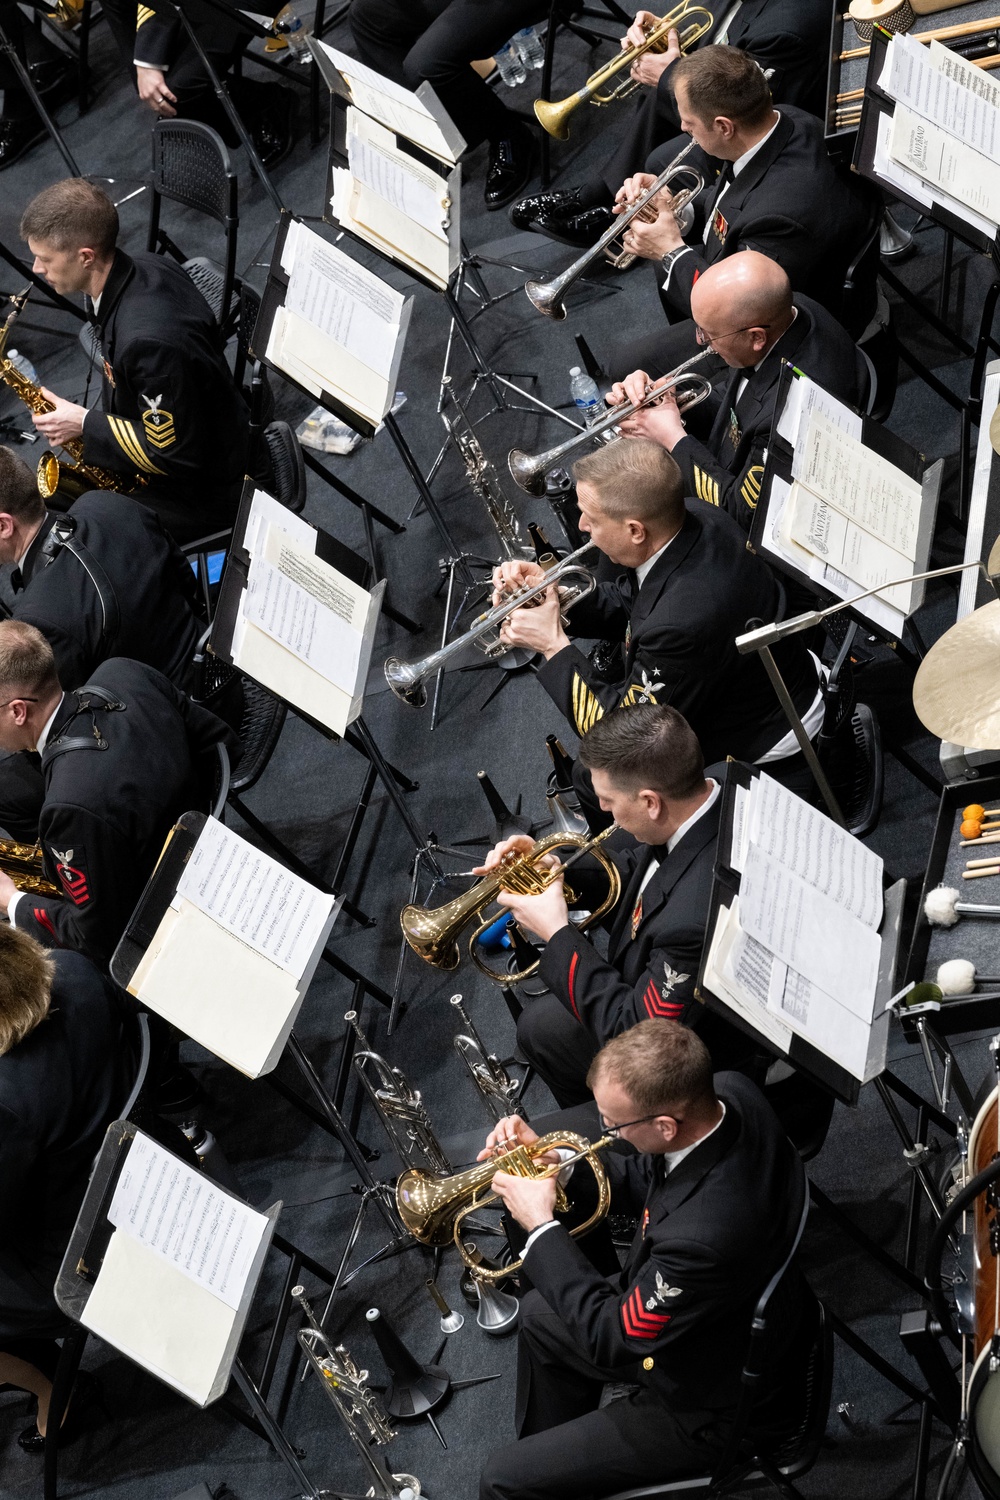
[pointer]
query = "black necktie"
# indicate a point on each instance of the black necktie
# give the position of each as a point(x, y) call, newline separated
point(16, 580)
point(659, 852)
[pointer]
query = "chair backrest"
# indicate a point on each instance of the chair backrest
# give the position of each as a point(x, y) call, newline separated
point(220, 792)
point(192, 166)
point(143, 1050)
point(287, 465)
point(860, 295)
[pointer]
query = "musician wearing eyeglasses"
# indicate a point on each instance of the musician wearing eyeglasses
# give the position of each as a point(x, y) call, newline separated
point(648, 773)
point(744, 309)
point(777, 192)
point(788, 38)
point(170, 414)
point(686, 589)
point(718, 1192)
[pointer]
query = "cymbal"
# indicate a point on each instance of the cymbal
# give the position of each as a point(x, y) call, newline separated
point(993, 561)
point(956, 693)
point(995, 431)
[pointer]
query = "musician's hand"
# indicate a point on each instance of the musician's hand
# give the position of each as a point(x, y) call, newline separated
point(633, 388)
point(511, 1131)
point(8, 890)
point(152, 86)
point(651, 66)
point(652, 241)
point(61, 424)
point(514, 574)
point(520, 843)
point(636, 34)
point(539, 628)
point(632, 188)
point(544, 915)
point(661, 423)
point(531, 1200)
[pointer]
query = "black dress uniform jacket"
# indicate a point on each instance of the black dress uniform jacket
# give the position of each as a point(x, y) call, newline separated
point(170, 410)
point(712, 1232)
point(789, 202)
point(679, 633)
point(59, 1089)
point(727, 469)
point(128, 569)
point(107, 811)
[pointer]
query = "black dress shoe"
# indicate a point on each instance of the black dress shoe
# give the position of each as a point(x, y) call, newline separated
point(509, 168)
point(80, 1417)
point(525, 212)
point(51, 73)
point(16, 136)
point(273, 129)
point(581, 228)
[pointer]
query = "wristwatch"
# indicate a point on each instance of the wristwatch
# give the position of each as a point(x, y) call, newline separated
point(667, 261)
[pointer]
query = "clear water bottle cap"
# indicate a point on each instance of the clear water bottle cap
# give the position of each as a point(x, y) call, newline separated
point(575, 370)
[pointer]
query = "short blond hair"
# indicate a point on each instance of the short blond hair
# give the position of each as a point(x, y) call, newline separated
point(664, 1068)
point(27, 665)
point(635, 480)
point(26, 975)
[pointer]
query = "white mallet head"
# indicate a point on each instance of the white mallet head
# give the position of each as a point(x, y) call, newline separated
point(957, 977)
point(939, 907)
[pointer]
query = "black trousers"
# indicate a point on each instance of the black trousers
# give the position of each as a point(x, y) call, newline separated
point(567, 1446)
point(31, 46)
point(412, 41)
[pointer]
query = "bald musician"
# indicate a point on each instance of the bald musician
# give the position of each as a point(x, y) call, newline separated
point(744, 310)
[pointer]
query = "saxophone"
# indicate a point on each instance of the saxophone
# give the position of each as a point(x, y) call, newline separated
point(54, 476)
point(483, 478)
point(23, 863)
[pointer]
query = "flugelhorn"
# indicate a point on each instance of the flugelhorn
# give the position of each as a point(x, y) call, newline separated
point(691, 22)
point(434, 1209)
point(689, 388)
point(574, 581)
point(399, 1107)
point(548, 296)
point(433, 932)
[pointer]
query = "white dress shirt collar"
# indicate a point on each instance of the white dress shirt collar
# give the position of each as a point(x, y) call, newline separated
point(47, 726)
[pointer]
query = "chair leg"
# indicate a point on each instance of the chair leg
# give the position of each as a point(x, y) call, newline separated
point(545, 91)
point(69, 1363)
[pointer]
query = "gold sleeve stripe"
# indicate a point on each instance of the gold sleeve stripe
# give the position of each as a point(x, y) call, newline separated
point(586, 706)
point(143, 15)
point(750, 489)
point(124, 435)
point(698, 477)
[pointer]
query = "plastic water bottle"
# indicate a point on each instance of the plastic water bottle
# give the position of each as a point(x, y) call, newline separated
point(529, 47)
point(508, 60)
point(583, 389)
point(23, 366)
point(289, 25)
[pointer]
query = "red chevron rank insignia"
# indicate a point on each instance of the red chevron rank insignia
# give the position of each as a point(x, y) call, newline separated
point(637, 1322)
point(656, 1006)
point(73, 878)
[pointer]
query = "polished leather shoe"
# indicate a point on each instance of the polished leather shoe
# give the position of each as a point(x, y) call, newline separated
point(16, 136)
point(80, 1417)
point(527, 210)
point(581, 228)
point(509, 168)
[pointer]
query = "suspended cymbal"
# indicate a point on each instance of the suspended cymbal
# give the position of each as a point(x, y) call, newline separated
point(993, 561)
point(956, 694)
point(995, 431)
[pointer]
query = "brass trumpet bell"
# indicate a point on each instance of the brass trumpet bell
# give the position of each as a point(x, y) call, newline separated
point(433, 932)
point(434, 1209)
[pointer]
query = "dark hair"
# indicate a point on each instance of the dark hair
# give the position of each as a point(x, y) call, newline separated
point(635, 480)
point(19, 495)
point(27, 665)
point(647, 745)
point(70, 215)
point(664, 1068)
point(26, 974)
point(725, 81)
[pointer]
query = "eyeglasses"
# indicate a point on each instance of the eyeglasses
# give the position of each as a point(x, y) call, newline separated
point(703, 336)
point(19, 699)
point(617, 1129)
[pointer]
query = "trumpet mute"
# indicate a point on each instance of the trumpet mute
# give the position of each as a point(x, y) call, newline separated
point(525, 472)
point(543, 296)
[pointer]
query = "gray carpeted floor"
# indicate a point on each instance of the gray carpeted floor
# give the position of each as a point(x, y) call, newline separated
point(150, 1444)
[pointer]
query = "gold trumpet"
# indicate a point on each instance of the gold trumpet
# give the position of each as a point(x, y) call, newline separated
point(53, 475)
point(24, 864)
point(434, 1209)
point(688, 387)
point(691, 22)
point(433, 932)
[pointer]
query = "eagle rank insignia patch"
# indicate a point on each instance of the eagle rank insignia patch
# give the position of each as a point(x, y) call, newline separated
point(662, 1295)
point(72, 877)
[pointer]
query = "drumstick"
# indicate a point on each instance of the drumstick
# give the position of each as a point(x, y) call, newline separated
point(939, 34)
point(977, 864)
point(987, 838)
point(978, 874)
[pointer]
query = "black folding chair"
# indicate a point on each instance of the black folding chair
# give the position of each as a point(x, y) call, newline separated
point(192, 166)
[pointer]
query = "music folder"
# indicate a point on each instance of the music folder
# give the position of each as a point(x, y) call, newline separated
point(163, 1264)
point(224, 943)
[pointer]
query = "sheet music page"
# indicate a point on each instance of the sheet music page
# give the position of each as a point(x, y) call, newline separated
point(818, 1019)
point(265, 511)
point(255, 897)
point(861, 484)
point(375, 160)
point(748, 1001)
point(891, 172)
point(741, 828)
point(341, 299)
point(940, 101)
point(804, 397)
point(316, 612)
point(809, 932)
point(835, 541)
point(952, 65)
point(186, 1219)
point(391, 104)
point(815, 848)
point(948, 164)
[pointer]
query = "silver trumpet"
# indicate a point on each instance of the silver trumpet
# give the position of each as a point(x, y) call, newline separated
point(688, 387)
point(496, 1087)
point(575, 582)
point(483, 478)
point(357, 1405)
point(399, 1107)
point(548, 296)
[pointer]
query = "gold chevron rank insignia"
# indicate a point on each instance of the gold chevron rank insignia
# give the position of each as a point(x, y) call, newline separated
point(143, 14)
point(750, 488)
point(127, 439)
point(705, 487)
point(159, 425)
point(587, 707)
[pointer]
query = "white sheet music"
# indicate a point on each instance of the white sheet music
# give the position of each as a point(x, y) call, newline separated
point(393, 105)
point(951, 167)
point(255, 897)
point(861, 484)
point(396, 176)
point(802, 398)
point(186, 1219)
point(809, 932)
point(309, 607)
point(748, 1002)
point(813, 846)
point(910, 77)
point(342, 300)
point(265, 511)
point(836, 542)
